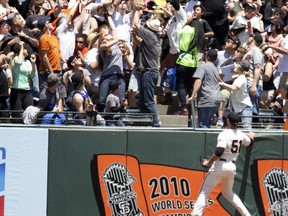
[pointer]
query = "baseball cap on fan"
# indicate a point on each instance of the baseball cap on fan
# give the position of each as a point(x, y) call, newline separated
point(212, 54)
point(258, 38)
point(249, 5)
point(42, 22)
point(235, 39)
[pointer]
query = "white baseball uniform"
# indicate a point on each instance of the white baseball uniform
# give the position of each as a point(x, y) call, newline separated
point(223, 170)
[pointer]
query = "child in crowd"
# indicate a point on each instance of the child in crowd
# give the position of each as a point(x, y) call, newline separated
point(199, 14)
point(113, 105)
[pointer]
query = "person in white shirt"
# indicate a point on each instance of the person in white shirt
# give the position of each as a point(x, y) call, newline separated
point(223, 169)
point(173, 27)
point(240, 99)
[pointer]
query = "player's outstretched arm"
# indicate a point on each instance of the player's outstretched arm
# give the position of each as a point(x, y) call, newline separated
point(251, 135)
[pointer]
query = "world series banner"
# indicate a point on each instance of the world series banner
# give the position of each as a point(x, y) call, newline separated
point(23, 171)
point(130, 188)
point(147, 173)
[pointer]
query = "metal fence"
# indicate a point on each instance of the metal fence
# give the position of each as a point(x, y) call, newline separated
point(90, 118)
point(266, 119)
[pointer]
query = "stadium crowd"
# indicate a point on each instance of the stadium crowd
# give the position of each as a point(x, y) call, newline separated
point(105, 56)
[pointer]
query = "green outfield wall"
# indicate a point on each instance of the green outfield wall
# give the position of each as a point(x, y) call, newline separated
point(157, 172)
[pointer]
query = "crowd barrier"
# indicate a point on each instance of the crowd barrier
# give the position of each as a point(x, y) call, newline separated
point(133, 117)
point(133, 171)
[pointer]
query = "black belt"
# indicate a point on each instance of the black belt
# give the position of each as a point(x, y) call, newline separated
point(222, 159)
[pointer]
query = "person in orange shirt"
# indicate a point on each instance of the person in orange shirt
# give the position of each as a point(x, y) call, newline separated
point(63, 13)
point(49, 52)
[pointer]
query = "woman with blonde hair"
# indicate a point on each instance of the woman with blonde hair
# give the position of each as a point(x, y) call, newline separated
point(128, 63)
point(240, 99)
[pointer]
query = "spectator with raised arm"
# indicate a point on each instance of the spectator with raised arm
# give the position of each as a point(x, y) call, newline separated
point(93, 65)
point(191, 42)
point(49, 53)
point(245, 25)
point(147, 61)
point(283, 59)
point(255, 82)
point(172, 29)
point(75, 66)
point(112, 59)
point(226, 57)
point(66, 32)
point(17, 33)
point(81, 47)
point(5, 83)
point(22, 71)
point(240, 100)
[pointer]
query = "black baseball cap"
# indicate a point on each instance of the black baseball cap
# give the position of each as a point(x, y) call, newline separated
point(258, 38)
point(235, 39)
point(249, 5)
point(233, 118)
point(212, 54)
point(42, 22)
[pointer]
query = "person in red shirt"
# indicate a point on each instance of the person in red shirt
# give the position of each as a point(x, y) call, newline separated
point(81, 47)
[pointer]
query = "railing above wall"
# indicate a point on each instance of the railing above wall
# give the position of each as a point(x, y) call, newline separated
point(90, 118)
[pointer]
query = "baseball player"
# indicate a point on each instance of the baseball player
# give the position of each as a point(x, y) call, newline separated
point(223, 167)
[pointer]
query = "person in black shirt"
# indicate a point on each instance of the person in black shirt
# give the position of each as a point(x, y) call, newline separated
point(216, 16)
point(5, 82)
point(18, 33)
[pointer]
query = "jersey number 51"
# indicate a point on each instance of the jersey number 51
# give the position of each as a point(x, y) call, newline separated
point(236, 146)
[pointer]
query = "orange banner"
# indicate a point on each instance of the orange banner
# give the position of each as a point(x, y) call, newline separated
point(130, 188)
point(273, 184)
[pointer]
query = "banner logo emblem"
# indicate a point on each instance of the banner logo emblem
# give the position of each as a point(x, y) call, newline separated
point(276, 186)
point(122, 198)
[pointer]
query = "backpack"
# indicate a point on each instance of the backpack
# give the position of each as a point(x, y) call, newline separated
point(169, 79)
